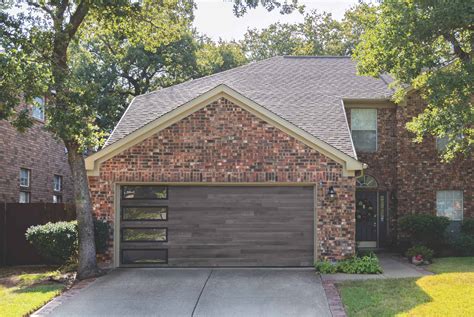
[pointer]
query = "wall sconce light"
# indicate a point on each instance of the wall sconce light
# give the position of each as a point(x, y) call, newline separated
point(331, 193)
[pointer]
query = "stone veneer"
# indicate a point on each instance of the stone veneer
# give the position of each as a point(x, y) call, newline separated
point(224, 143)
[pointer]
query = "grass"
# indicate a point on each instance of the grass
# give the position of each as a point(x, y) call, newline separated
point(448, 293)
point(25, 289)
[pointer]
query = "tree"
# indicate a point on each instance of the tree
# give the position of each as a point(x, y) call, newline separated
point(318, 34)
point(428, 45)
point(36, 38)
point(214, 57)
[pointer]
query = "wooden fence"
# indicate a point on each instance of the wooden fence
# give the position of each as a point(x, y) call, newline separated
point(15, 218)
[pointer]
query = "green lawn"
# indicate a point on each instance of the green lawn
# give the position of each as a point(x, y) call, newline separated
point(449, 293)
point(25, 289)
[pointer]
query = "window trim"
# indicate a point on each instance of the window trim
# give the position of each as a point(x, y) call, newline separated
point(60, 183)
point(122, 238)
point(376, 129)
point(28, 178)
point(462, 203)
point(135, 206)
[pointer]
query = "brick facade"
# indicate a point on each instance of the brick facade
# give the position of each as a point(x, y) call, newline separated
point(411, 173)
point(224, 143)
point(37, 150)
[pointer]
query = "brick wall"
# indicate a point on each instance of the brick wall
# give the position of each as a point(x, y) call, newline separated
point(224, 143)
point(420, 171)
point(38, 151)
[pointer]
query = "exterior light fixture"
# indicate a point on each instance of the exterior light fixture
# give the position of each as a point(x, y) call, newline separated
point(331, 193)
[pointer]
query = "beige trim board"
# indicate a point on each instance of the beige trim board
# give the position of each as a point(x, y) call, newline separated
point(369, 103)
point(350, 164)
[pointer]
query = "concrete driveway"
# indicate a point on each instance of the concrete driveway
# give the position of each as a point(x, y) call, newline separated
point(200, 292)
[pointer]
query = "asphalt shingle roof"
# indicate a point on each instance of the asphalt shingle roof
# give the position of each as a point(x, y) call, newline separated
point(306, 91)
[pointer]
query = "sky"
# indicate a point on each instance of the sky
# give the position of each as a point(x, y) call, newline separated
point(215, 18)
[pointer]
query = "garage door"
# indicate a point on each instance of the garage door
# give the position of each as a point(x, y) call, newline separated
point(216, 226)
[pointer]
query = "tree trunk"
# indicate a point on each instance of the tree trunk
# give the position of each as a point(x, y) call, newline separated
point(87, 254)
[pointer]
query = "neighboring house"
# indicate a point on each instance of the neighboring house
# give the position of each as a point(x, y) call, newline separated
point(275, 163)
point(34, 166)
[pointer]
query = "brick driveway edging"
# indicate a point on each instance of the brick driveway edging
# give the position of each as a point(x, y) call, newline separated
point(61, 298)
point(334, 299)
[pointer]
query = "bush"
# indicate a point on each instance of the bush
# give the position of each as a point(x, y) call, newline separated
point(426, 230)
point(326, 267)
point(367, 264)
point(58, 242)
point(425, 252)
point(464, 245)
point(467, 226)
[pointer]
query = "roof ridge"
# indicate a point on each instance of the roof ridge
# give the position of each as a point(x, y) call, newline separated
point(314, 56)
point(211, 75)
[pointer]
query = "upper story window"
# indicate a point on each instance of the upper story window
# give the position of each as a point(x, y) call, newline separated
point(449, 203)
point(58, 183)
point(364, 129)
point(441, 143)
point(25, 177)
point(37, 110)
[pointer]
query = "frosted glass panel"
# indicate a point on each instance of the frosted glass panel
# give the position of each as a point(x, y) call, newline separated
point(363, 119)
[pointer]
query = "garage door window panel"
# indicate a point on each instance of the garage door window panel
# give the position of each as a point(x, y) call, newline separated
point(144, 235)
point(144, 192)
point(144, 256)
point(145, 213)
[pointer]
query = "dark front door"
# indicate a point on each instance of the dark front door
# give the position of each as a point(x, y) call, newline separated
point(366, 216)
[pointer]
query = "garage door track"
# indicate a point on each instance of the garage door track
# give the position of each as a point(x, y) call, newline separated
point(200, 292)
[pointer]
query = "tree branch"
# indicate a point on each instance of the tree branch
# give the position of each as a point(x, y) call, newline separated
point(77, 18)
point(465, 57)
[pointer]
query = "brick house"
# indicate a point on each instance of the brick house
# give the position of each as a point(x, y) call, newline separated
point(275, 163)
point(34, 166)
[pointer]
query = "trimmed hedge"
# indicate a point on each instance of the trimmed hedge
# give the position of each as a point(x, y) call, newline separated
point(367, 264)
point(425, 252)
point(58, 242)
point(467, 226)
point(425, 230)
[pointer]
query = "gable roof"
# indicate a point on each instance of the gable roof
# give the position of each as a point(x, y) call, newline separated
point(305, 91)
point(349, 163)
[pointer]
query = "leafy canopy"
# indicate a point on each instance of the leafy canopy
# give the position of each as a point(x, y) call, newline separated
point(427, 45)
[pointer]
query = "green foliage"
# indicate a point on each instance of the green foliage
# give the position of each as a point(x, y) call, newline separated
point(429, 46)
point(318, 34)
point(367, 264)
point(464, 245)
point(55, 241)
point(326, 267)
point(467, 226)
point(423, 229)
point(425, 252)
point(58, 242)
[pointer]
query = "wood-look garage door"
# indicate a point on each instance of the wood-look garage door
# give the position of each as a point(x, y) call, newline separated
point(216, 226)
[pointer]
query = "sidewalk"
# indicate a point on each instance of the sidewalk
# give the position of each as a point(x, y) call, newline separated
point(393, 267)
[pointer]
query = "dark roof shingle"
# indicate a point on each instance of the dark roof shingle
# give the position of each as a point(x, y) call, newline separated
point(306, 91)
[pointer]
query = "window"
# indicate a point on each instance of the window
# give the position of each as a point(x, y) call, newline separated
point(366, 181)
point(144, 192)
point(144, 235)
point(449, 203)
point(57, 199)
point(364, 129)
point(25, 177)
point(145, 256)
point(37, 110)
point(58, 183)
point(145, 213)
point(24, 197)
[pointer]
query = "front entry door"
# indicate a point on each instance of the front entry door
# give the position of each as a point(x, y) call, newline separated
point(366, 218)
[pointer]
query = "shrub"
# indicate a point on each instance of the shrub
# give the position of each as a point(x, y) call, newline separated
point(426, 230)
point(325, 267)
point(58, 242)
point(464, 245)
point(425, 252)
point(367, 264)
point(467, 226)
